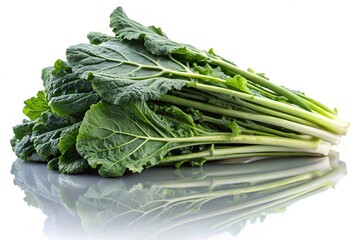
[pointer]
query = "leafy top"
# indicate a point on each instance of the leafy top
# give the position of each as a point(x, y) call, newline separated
point(154, 38)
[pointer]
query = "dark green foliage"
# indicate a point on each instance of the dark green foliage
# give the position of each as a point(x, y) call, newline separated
point(138, 99)
point(131, 137)
point(66, 92)
point(124, 71)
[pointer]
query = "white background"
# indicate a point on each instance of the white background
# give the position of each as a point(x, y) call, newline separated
point(313, 46)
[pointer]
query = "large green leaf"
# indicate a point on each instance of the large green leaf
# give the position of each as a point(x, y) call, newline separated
point(122, 71)
point(113, 138)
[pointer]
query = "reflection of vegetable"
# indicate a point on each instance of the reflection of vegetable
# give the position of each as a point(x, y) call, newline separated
point(165, 203)
point(138, 99)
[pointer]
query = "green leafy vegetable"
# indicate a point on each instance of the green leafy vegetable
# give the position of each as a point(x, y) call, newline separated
point(134, 137)
point(138, 99)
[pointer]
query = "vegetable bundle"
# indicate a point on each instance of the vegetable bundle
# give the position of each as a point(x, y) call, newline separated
point(138, 99)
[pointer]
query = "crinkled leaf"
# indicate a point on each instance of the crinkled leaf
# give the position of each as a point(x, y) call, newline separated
point(61, 69)
point(23, 129)
point(210, 71)
point(97, 37)
point(259, 74)
point(68, 95)
point(70, 162)
point(120, 72)
point(154, 38)
point(35, 106)
point(24, 149)
point(117, 91)
point(47, 132)
point(174, 113)
point(53, 164)
point(232, 125)
point(68, 139)
point(235, 129)
point(114, 138)
point(238, 82)
point(21, 144)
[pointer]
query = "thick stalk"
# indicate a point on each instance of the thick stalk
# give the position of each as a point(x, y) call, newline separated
point(262, 91)
point(309, 105)
point(250, 131)
point(258, 150)
point(266, 110)
point(272, 131)
point(317, 103)
point(246, 157)
point(320, 109)
point(319, 133)
point(261, 81)
point(339, 127)
point(245, 139)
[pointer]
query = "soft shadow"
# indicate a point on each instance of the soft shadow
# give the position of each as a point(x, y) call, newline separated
point(168, 203)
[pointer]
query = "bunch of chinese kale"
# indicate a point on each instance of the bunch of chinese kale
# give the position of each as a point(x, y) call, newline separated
point(138, 99)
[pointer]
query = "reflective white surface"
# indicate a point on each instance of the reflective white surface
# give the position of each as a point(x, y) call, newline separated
point(163, 203)
point(311, 46)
